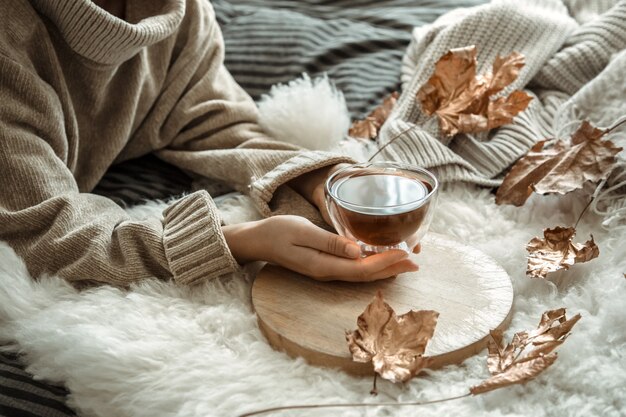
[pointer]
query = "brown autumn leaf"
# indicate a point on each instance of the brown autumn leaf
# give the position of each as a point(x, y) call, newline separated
point(518, 373)
point(461, 99)
point(364, 129)
point(394, 344)
point(549, 334)
point(561, 168)
point(557, 251)
point(368, 127)
point(528, 354)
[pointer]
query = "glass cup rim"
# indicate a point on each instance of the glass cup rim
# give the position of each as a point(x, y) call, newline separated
point(383, 164)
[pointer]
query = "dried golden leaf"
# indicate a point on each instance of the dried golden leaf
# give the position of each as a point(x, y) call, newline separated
point(394, 344)
point(454, 74)
point(368, 127)
point(549, 340)
point(547, 320)
point(382, 112)
point(500, 357)
point(364, 129)
point(587, 132)
point(505, 71)
point(516, 374)
point(508, 366)
point(501, 111)
point(561, 168)
point(461, 100)
point(556, 251)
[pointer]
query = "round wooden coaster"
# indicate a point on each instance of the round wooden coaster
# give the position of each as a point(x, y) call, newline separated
point(308, 318)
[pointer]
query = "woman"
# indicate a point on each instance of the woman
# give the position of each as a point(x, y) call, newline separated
point(85, 85)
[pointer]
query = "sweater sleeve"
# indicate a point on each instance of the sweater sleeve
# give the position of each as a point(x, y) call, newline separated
point(57, 229)
point(217, 135)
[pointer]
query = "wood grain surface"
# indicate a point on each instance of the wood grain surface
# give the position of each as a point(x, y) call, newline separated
point(308, 318)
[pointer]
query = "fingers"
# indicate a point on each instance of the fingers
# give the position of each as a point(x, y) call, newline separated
point(327, 256)
point(395, 269)
point(373, 267)
point(405, 265)
point(417, 248)
point(327, 242)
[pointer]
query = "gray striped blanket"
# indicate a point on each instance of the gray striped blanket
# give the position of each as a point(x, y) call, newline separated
point(358, 43)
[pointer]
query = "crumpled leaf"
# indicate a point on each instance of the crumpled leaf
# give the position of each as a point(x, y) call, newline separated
point(368, 127)
point(461, 100)
point(364, 129)
point(518, 373)
point(561, 168)
point(556, 251)
point(528, 354)
point(394, 344)
point(549, 332)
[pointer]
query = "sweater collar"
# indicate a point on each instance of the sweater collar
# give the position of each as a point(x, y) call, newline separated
point(103, 38)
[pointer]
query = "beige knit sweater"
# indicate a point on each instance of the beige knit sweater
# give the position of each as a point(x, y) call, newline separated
point(81, 90)
point(575, 69)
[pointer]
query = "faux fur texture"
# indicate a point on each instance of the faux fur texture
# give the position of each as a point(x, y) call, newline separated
point(163, 350)
point(290, 110)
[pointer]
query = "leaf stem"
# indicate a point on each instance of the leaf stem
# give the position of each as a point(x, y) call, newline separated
point(616, 125)
point(351, 405)
point(530, 339)
point(620, 122)
point(583, 212)
point(390, 142)
point(374, 390)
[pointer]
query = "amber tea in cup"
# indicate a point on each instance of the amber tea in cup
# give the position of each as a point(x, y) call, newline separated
point(382, 205)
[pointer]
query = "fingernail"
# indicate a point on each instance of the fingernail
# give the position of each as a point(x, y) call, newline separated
point(414, 267)
point(353, 251)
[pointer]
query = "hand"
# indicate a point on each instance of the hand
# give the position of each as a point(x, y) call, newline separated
point(297, 244)
point(311, 186)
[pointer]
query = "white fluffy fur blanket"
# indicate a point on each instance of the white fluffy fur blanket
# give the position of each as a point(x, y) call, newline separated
point(162, 350)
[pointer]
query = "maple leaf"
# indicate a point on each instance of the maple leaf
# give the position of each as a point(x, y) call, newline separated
point(364, 129)
point(508, 366)
point(368, 127)
point(461, 100)
point(561, 168)
point(517, 373)
point(556, 251)
point(394, 344)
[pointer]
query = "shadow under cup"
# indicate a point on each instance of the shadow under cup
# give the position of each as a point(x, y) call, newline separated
point(382, 205)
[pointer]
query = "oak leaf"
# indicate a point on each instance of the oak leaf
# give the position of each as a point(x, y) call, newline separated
point(528, 354)
point(557, 251)
point(368, 127)
point(394, 344)
point(462, 100)
point(561, 168)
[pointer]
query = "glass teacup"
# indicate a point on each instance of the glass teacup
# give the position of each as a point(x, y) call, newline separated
point(382, 205)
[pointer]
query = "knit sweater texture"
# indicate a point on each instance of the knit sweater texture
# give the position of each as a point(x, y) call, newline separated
point(81, 90)
point(575, 54)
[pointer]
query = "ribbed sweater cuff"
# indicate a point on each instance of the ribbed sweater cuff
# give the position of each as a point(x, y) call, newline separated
point(262, 190)
point(195, 246)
